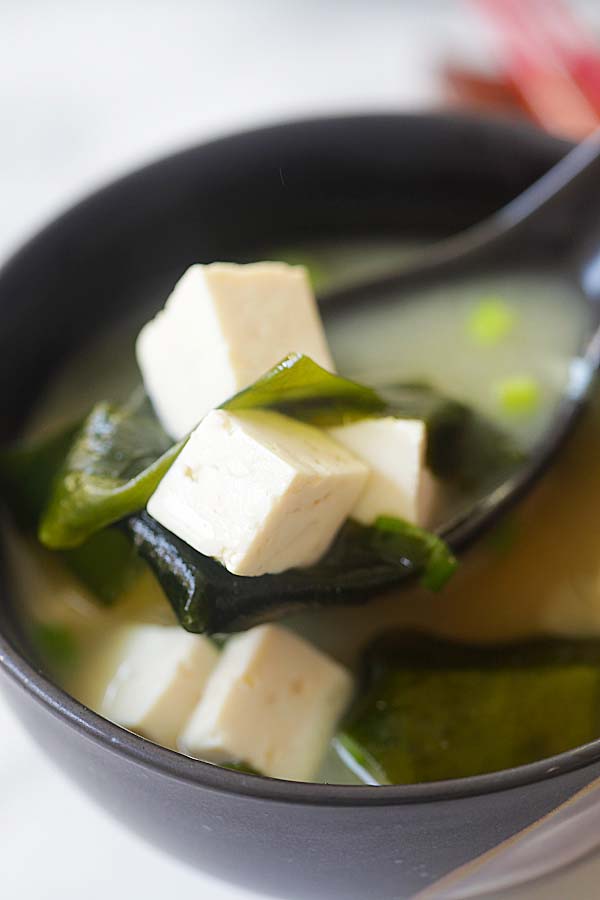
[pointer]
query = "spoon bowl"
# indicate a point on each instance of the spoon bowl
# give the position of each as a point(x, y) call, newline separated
point(557, 219)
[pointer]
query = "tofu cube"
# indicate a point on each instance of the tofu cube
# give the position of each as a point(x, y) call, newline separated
point(394, 450)
point(273, 702)
point(223, 326)
point(258, 491)
point(155, 677)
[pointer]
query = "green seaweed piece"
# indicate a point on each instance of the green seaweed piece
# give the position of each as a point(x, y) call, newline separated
point(113, 466)
point(106, 563)
point(300, 388)
point(27, 473)
point(55, 644)
point(362, 561)
point(432, 709)
point(242, 767)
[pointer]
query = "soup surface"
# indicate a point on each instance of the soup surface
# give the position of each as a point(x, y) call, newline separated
point(505, 344)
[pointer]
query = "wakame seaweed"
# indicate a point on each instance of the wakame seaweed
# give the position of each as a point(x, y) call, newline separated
point(432, 709)
point(300, 388)
point(362, 560)
point(106, 561)
point(27, 474)
point(113, 465)
point(104, 471)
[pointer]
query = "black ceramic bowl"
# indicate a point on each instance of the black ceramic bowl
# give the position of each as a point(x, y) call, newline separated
point(406, 175)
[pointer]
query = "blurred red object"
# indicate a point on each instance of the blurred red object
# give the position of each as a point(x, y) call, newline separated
point(548, 67)
point(481, 91)
point(574, 47)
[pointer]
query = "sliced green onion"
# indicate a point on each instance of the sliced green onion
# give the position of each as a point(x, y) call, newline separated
point(519, 395)
point(491, 321)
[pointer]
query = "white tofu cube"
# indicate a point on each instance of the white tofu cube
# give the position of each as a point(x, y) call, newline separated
point(223, 326)
point(156, 676)
point(258, 491)
point(394, 450)
point(273, 702)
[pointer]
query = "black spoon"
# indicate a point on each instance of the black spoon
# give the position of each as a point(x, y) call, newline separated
point(556, 220)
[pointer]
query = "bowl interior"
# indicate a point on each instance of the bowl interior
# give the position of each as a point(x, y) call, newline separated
point(403, 176)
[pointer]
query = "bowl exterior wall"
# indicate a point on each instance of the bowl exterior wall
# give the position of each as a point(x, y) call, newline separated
point(294, 850)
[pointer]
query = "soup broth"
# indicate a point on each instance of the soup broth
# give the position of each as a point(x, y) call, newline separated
point(504, 344)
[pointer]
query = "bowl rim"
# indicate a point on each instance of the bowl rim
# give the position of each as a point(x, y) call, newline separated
point(172, 764)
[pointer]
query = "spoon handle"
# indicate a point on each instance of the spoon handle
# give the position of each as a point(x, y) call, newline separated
point(550, 219)
point(573, 184)
point(553, 214)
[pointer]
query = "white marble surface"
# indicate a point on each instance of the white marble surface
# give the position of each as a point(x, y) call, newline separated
point(88, 90)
